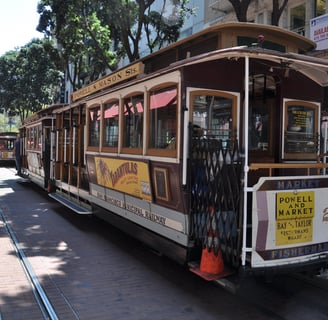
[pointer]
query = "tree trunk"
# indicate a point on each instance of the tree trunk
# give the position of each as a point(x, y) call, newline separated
point(277, 11)
point(240, 7)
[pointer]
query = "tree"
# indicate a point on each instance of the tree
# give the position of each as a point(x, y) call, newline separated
point(240, 7)
point(93, 35)
point(84, 44)
point(139, 19)
point(157, 22)
point(277, 11)
point(163, 26)
point(28, 79)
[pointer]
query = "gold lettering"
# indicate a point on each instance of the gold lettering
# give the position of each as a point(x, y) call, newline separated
point(108, 81)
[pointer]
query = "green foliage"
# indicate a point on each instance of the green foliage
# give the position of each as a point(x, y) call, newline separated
point(9, 123)
point(163, 27)
point(93, 35)
point(157, 22)
point(28, 79)
point(84, 43)
point(320, 7)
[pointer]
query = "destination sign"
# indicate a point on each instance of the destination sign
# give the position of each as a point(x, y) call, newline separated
point(294, 217)
point(108, 81)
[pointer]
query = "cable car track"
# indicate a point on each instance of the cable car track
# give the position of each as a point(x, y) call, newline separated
point(40, 296)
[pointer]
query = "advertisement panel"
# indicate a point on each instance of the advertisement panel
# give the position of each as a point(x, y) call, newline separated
point(289, 219)
point(128, 176)
point(319, 31)
point(294, 217)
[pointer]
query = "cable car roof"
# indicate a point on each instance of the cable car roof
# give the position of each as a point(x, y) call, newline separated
point(311, 67)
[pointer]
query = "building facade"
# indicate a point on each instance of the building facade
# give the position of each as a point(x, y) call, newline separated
point(295, 17)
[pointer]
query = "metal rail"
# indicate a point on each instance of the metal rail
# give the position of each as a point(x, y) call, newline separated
point(306, 166)
point(41, 298)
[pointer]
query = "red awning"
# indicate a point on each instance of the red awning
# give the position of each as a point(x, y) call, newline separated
point(139, 108)
point(112, 111)
point(92, 114)
point(162, 99)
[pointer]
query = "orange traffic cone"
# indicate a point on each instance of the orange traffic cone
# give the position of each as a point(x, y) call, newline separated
point(211, 263)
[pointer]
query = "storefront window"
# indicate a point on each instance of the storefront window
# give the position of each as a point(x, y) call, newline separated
point(297, 19)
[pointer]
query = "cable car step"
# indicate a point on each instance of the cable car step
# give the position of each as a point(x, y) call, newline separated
point(70, 204)
point(221, 278)
point(195, 268)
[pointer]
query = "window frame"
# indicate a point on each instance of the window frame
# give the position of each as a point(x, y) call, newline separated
point(234, 96)
point(125, 149)
point(105, 148)
point(94, 106)
point(163, 152)
point(36, 137)
point(316, 110)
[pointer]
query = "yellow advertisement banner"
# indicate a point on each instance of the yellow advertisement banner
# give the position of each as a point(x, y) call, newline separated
point(295, 205)
point(293, 231)
point(294, 217)
point(128, 176)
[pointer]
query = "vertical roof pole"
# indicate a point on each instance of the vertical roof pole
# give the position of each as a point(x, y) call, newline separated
point(246, 168)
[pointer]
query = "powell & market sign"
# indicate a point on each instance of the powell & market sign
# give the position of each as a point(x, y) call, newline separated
point(294, 220)
point(110, 80)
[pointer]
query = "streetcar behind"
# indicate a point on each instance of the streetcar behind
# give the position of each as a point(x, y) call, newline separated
point(7, 144)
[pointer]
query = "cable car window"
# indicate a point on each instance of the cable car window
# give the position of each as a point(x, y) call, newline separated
point(133, 121)
point(262, 90)
point(94, 126)
point(259, 128)
point(213, 115)
point(75, 139)
point(111, 122)
point(7, 141)
point(39, 137)
point(29, 140)
point(32, 138)
point(81, 134)
point(300, 130)
point(163, 118)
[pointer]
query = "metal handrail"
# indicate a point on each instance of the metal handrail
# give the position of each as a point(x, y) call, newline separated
point(271, 166)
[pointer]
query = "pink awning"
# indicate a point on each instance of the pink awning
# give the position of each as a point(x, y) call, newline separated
point(112, 111)
point(92, 114)
point(162, 99)
point(139, 107)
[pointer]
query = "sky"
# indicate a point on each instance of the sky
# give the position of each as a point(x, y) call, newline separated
point(18, 22)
